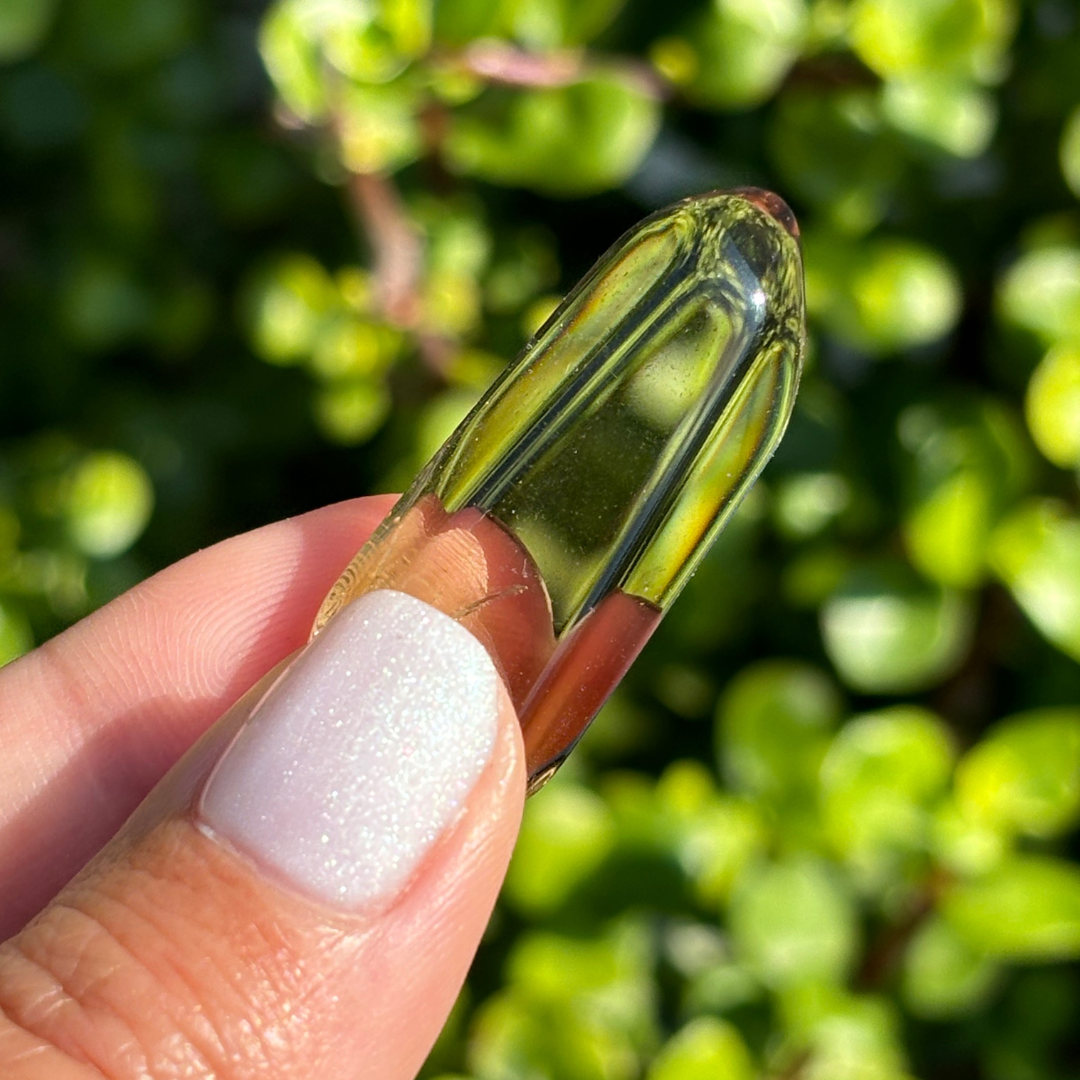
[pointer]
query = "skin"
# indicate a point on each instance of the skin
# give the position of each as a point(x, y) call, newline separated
point(169, 955)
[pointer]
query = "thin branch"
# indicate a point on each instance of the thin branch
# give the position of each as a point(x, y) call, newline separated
point(507, 65)
point(396, 245)
point(794, 1068)
point(496, 61)
point(397, 248)
point(885, 953)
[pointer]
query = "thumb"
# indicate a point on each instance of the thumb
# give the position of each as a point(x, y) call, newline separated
point(303, 894)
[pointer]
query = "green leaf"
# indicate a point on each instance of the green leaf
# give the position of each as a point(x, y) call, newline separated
point(807, 502)
point(571, 141)
point(580, 1008)
point(351, 411)
point(548, 24)
point(881, 775)
point(718, 845)
point(351, 348)
point(715, 836)
point(740, 51)
point(844, 1036)
point(964, 844)
point(508, 1039)
point(556, 968)
point(836, 151)
point(967, 463)
point(943, 977)
point(905, 294)
point(564, 837)
point(539, 25)
point(291, 55)
point(1024, 775)
point(1040, 292)
point(287, 306)
point(954, 115)
point(811, 577)
point(108, 504)
point(316, 51)
point(773, 725)
point(23, 26)
point(793, 922)
point(457, 22)
point(682, 817)
point(378, 126)
point(964, 37)
point(374, 42)
point(707, 1046)
point(1052, 405)
point(1036, 552)
point(889, 633)
point(880, 295)
point(1028, 910)
point(513, 1037)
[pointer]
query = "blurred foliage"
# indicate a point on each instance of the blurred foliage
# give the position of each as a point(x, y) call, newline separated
point(255, 258)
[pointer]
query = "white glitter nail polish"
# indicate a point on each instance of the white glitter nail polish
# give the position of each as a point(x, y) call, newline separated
point(362, 753)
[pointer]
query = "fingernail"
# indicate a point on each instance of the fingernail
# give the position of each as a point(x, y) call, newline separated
point(361, 754)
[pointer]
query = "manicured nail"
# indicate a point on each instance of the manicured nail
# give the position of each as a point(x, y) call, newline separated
point(362, 753)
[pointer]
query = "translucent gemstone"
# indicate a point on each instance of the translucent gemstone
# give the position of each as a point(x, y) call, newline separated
point(563, 516)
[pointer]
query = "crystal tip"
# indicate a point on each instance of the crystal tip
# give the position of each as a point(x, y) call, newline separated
point(772, 204)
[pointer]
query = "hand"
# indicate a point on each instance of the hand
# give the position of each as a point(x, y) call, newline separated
point(313, 911)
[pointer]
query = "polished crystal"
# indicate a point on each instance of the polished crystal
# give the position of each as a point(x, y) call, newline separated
point(563, 516)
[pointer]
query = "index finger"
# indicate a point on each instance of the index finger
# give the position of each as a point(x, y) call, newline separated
point(94, 718)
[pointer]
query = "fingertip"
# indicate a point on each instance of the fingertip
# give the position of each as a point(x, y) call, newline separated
point(209, 951)
point(98, 714)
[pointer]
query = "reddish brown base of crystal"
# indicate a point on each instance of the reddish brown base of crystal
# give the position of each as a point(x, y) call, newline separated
point(585, 668)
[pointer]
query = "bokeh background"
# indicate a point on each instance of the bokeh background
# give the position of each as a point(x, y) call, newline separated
point(257, 258)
